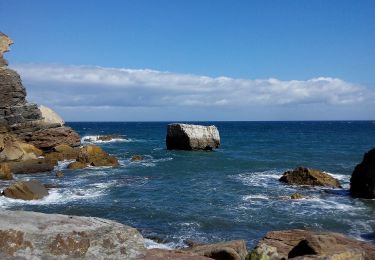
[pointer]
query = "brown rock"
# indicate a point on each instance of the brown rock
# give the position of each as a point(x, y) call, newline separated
point(5, 172)
point(137, 158)
point(59, 174)
point(231, 250)
point(160, 254)
point(110, 137)
point(362, 182)
point(26, 190)
point(62, 152)
point(296, 196)
point(48, 138)
point(12, 149)
point(76, 165)
point(32, 166)
point(5, 42)
point(302, 244)
point(94, 155)
point(306, 176)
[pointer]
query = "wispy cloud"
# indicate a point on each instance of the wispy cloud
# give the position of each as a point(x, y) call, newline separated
point(75, 86)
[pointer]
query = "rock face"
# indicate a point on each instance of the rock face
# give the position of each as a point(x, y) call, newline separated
point(362, 182)
point(33, 235)
point(302, 244)
point(32, 166)
point(160, 254)
point(192, 137)
point(5, 172)
point(25, 120)
point(26, 190)
point(306, 176)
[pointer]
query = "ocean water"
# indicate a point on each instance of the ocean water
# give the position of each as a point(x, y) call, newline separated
point(231, 193)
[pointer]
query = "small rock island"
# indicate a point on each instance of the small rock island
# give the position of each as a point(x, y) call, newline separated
point(192, 137)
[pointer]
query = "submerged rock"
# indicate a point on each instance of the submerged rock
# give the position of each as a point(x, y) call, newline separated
point(306, 176)
point(136, 158)
point(26, 190)
point(59, 174)
point(5, 172)
point(296, 196)
point(34, 235)
point(362, 182)
point(312, 245)
point(110, 137)
point(192, 137)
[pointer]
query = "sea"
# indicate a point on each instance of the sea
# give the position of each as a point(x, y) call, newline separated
point(177, 197)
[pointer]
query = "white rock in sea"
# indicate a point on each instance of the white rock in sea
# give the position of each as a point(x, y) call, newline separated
point(192, 137)
point(31, 235)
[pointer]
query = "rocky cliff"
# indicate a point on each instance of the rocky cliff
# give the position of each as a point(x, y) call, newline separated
point(24, 119)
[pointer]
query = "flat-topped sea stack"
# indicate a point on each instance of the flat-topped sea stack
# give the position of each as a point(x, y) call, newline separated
point(38, 126)
point(192, 137)
point(362, 182)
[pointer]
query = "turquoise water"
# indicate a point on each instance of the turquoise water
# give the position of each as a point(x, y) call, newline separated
point(232, 193)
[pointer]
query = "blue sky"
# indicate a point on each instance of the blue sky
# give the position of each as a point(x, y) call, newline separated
point(196, 60)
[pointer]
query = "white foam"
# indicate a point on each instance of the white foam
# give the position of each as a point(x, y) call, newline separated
point(254, 197)
point(258, 179)
point(61, 165)
point(150, 244)
point(94, 139)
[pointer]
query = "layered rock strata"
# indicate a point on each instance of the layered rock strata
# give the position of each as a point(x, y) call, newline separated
point(42, 128)
point(192, 137)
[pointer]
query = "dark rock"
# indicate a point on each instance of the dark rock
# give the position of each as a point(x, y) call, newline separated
point(32, 166)
point(298, 244)
point(110, 137)
point(362, 182)
point(306, 176)
point(31, 235)
point(192, 137)
point(231, 250)
point(26, 190)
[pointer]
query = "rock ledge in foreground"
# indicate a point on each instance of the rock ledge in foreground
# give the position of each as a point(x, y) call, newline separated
point(34, 235)
point(192, 137)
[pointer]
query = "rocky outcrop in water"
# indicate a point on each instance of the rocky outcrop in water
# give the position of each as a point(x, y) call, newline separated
point(26, 190)
point(362, 182)
point(31, 235)
point(92, 155)
point(302, 244)
point(306, 176)
point(42, 128)
point(192, 137)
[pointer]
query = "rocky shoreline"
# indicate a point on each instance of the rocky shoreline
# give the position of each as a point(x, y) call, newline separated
point(34, 139)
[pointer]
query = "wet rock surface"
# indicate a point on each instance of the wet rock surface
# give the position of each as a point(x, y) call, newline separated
point(362, 182)
point(306, 176)
point(192, 137)
point(30, 235)
point(32, 166)
point(92, 155)
point(302, 244)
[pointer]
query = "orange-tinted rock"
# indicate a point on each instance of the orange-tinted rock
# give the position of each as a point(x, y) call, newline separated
point(5, 172)
point(26, 190)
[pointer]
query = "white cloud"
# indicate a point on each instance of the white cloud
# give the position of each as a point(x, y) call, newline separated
point(84, 86)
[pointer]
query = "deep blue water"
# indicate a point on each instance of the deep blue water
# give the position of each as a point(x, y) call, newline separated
point(231, 193)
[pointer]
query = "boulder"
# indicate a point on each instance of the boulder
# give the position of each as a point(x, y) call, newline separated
point(94, 155)
point(12, 149)
point(302, 244)
point(231, 250)
point(362, 182)
point(50, 117)
point(5, 42)
point(161, 254)
point(306, 176)
point(48, 138)
point(62, 152)
point(31, 235)
point(5, 172)
point(192, 137)
point(31, 149)
point(32, 166)
point(136, 158)
point(26, 190)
